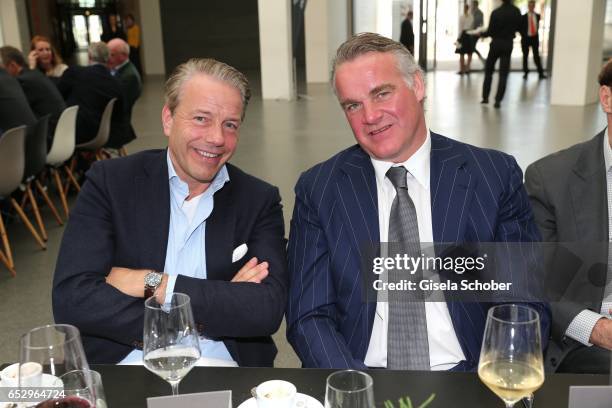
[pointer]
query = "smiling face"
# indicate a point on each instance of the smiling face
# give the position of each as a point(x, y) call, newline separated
point(44, 53)
point(203, 130)
point(386, 115)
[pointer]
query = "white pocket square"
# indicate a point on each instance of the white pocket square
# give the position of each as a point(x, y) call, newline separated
point(239, 252)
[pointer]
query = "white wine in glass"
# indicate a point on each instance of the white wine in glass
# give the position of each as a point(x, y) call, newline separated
point(511, 362)
point(171, 346)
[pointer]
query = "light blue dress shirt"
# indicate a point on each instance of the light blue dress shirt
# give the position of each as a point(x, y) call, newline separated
point(186, 252)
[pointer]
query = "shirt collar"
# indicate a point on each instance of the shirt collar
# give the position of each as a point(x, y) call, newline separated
point(607, 150)
point(175, 181)
point(417, 165)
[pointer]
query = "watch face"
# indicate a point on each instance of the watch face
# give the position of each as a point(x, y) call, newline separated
point(153, 279)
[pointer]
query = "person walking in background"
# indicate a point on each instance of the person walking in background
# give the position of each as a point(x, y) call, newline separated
point(530, 39)
point(407, 33)
point(504, 23)
point(44, 56)
point(133, 39)
point(465, 42)
point(477, 25)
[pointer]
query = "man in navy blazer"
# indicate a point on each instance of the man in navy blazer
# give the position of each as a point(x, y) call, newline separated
point(183, 220)
point(461, 193)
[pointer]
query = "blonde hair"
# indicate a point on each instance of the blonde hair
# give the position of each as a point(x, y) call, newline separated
point(207, 66)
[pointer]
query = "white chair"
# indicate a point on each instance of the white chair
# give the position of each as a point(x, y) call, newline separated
point(12, 157)
point(95, 145)
point(62, 149)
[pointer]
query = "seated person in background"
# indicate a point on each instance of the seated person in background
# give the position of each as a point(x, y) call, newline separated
point(400, 183)
point(92, 87)
point(131, 84)
point(182, 220)
point(571, 196)
point(45, 57)
point(14, 108)
point(43, 96)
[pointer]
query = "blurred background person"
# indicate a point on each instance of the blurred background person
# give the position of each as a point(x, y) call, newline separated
point(407, 33)
point(465, 42)
point(112, 30)
point(530, 39)
point(43, 96)
point(133, 39)
point(477, 26)
point(14, 108)
point(131, 84)
point(45, 57)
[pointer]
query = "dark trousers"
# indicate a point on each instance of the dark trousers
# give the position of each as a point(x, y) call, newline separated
point(135, 59)
point(533, 43)
point(500, 49)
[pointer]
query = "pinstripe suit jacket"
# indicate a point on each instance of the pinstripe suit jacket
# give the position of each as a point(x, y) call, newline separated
point(477, 195)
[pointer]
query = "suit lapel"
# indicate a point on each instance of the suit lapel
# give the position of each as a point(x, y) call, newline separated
point(152, 209)
point(588, 180)
point(452, 189)
point(358, 202)
point(219, 233)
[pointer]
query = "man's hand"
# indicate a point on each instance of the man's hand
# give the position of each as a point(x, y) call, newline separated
point(128, 281)
point(602, 334)
point(252, 272)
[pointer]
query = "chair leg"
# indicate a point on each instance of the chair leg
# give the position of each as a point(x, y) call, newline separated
point(60, 191)
point(71, 168)
point(50, 204)
point(27, 223)
point(36, 211)
point(7, 264)
point(6, 251)
point(71, 180)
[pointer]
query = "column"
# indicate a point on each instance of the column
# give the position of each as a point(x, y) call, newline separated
point(275, 49)
point(578, 51)
point(325, 28)
point(14, 24)
point(151, 37)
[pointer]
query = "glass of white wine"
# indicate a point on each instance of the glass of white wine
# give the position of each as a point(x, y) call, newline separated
point(171, 347)
point(511, 362)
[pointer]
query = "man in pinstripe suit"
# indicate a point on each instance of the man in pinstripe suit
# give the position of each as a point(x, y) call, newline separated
point(460, 193)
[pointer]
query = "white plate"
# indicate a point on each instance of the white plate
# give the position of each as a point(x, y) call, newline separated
point(48, 380)
point(301, 401)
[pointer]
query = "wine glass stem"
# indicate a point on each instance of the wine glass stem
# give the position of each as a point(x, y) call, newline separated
point(174, 385)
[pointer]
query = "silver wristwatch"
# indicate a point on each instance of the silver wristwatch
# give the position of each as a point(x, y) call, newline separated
point(152, 281)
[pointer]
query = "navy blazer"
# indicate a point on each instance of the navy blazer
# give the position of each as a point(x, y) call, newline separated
point(477, 195)
point(121, 218)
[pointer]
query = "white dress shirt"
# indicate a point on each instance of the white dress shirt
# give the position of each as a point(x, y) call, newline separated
point(444, 349)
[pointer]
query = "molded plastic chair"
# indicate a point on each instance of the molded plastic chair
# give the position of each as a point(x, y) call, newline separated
point(12, 157)
point(96, 144)
point(62, 149)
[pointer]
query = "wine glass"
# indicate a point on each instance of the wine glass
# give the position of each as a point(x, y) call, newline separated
point(171, 345)
point(57, 349)
point(75, 384)
point(349, 389)
point(511, 362)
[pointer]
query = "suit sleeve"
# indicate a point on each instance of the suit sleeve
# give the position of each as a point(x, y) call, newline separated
point(311, 312)
point(516, 224)
point(81, 296)
point(543, 206)
point(229, 309)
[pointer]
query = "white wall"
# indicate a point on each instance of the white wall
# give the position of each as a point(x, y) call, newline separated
point(578, 52)
point(14, 24)
point(325, 28)
point(275, 49)
point(152, 46)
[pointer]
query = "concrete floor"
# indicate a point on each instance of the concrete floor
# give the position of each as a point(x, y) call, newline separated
point(281, 139)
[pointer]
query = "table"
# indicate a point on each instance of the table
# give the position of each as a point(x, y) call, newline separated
point(129, 386)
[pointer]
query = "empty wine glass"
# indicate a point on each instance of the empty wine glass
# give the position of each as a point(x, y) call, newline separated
point(349, 389)
point(171, 346)
point(58, 349)
point(511, 362)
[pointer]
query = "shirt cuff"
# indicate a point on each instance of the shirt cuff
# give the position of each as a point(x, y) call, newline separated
point(170, 288)
point(582, 325)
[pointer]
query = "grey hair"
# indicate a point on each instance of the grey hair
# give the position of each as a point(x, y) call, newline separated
point(207, 66)
point(364, 43)
point(123, 46)
point(98, 52)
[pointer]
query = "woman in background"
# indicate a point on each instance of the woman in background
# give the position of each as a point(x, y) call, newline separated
point(44, 57)
point(465, 42)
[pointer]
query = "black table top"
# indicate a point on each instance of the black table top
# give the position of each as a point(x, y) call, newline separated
point(129, 386)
